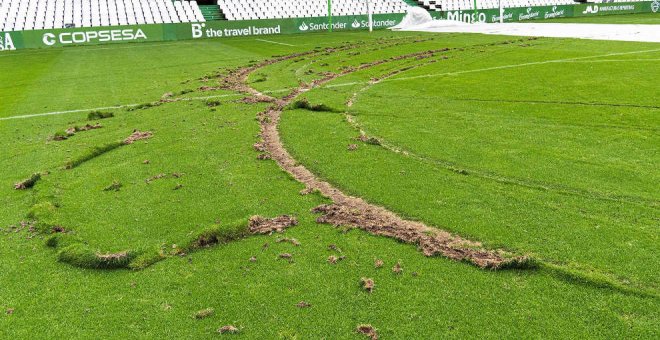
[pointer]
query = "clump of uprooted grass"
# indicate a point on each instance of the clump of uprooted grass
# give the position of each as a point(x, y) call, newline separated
point(28, 182)
point(204, 313)
point(74, 251)
point(213, 103)
point(218, 235)
point(81, 255)
point(92, 153)
point(115, 186)
point(304, 104)
point(96, 115)
point(143, 106)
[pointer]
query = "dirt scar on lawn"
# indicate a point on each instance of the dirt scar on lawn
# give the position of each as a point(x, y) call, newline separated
point(354, 211)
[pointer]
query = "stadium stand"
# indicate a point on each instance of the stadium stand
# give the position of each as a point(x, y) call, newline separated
point(463, 5)
point(259, 9)
point(19, 15)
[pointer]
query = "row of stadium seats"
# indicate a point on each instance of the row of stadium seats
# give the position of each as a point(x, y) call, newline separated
point(456, 5)
point(19, 15)
point(260, 9)
point(16, 15)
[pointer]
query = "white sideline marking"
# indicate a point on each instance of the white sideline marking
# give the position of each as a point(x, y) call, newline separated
point(129, 105)
point(577, 59)
point(63, 112)
point(275, 42)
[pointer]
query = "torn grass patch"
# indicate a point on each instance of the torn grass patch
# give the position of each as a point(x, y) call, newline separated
point(28, 183)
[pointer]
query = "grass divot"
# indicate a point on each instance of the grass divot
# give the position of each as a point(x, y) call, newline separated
point(97, 115)
point(306, 105)
point(28, 183)
point(91, 154)
point(367, 284)
point(83, 256)
point(368, 331)
point(229, 329)
point(261, 225)
point(115, 186)
point(204, 313)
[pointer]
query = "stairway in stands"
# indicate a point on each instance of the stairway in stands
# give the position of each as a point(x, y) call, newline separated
point(430, 5)
point(211, 12)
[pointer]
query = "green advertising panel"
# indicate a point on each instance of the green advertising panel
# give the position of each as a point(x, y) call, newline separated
point(512, 14)
point(617, 8)
point(166, 32)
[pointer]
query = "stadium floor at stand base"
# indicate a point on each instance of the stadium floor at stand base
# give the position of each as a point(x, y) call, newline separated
point(130, 183)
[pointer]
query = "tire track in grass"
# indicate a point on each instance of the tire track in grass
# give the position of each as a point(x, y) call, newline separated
point(354, 211)
point(560, 271)
point(456, 168)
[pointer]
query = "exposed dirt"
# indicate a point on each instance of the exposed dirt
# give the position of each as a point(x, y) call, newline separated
point(379, 264)
point(257, 99)
point(332, 259)
point(264, 156)
point(155, 178)
point(397, 268)
point(58, 229)
point(204, 313)
point(303, 304)
point(368, 330)
point(289, 240)
point(86, 127)
point(229, 329)
point(355, 212)
point(112, 257)
point(138, 135)
point(367, 284)
point(259, 147)
point(261, 225)
point(28, 183)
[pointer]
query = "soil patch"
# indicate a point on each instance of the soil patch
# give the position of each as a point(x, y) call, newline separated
point(368, 284)
point(229, 329)
point(368, 330)
point(137, 135)
point(261, 225)
point(28, 183)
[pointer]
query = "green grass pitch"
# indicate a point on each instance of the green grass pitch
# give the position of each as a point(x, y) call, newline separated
point(545, 148)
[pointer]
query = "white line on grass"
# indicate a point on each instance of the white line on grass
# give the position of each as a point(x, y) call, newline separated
point(54, 113)
point(274, 42)
point(494, 68)
point(361, 82)
point(63, 112)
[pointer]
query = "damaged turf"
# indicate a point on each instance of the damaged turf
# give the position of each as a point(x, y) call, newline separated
point(368, 284)
point(261, 225)
point(229, 329)
point(28, 183)
point(368, 330)
point(431, 241)
point(137, 135)
point(354, 212)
